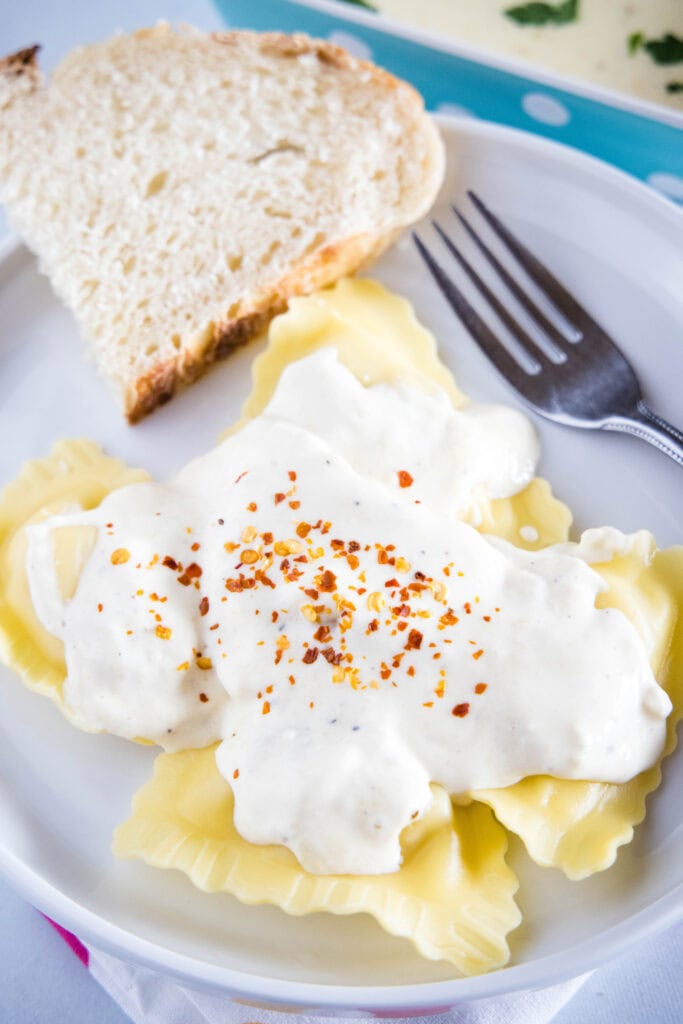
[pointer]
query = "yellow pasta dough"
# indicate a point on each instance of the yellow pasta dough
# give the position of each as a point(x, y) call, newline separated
point(454, 895)
point(75, 475)
point(578, 826)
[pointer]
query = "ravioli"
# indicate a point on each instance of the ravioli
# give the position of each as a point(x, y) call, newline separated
point(76, 474)
point(454, 895)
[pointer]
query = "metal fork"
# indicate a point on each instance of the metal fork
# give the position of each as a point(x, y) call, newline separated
point(590, 384)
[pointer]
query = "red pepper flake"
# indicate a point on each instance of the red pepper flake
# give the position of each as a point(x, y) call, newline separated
point(322, 634)
point(236, 773)
point(326, 527)
point(170, 563)
point(310, 656)
point(402, 609)
point(196, 546)
point(312, 704)
point(373, 626)
point(277, 498)
point(99, 607)
point(385, 672)
point(274, 616)
point(411, 670)
point(331, 656)
point(204, 606)
point(404, 478)
point(184, 580)
point(402, 625)
point(252, 507)
point(265, 710)
point(414, 640)
point(336, 544)
point(203, 698)
point(292, 475)
point(393, 582)
point(261, 577)
point(460, 710)
point(313, 594)
point(428, 704)
point(292, 681)
point(486, 618)
point(295, 505)
point(235, 586)
point(468, 607)
point(353, 561)
point(302, 530)
point(477, 655)
point(326, 582)
point(420, 576)
point(193, 571)
point(215, 626)
point(481, 688)
point(449, 618)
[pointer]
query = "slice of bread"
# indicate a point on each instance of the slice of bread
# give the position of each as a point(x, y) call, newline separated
point(179, 187)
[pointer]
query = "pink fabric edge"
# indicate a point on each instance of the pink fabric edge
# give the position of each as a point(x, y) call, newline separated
point(74, 944)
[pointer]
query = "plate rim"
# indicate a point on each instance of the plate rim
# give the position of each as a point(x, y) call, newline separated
point(544, 971)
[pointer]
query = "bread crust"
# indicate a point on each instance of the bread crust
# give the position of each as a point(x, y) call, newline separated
point(19, 74)
point(166, 378)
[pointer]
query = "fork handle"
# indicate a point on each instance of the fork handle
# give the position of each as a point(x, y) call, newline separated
point(647, 425)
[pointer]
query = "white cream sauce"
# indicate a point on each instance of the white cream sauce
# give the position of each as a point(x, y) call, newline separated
point(594, 47)
point(306, 594)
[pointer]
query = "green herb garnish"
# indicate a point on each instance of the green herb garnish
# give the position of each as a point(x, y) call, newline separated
point(635, 41)
point(674, 86)
point(544, 14)
point(667, 50)
point(362, 3)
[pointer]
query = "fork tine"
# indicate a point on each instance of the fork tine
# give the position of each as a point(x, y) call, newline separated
point(539, 318)
point(549, 285)
point(518, 332)
point(478, 329)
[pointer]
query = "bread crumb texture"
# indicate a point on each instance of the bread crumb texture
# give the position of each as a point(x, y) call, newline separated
point(179, 187)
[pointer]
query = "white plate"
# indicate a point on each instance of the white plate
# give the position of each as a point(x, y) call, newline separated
point(620, 249)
